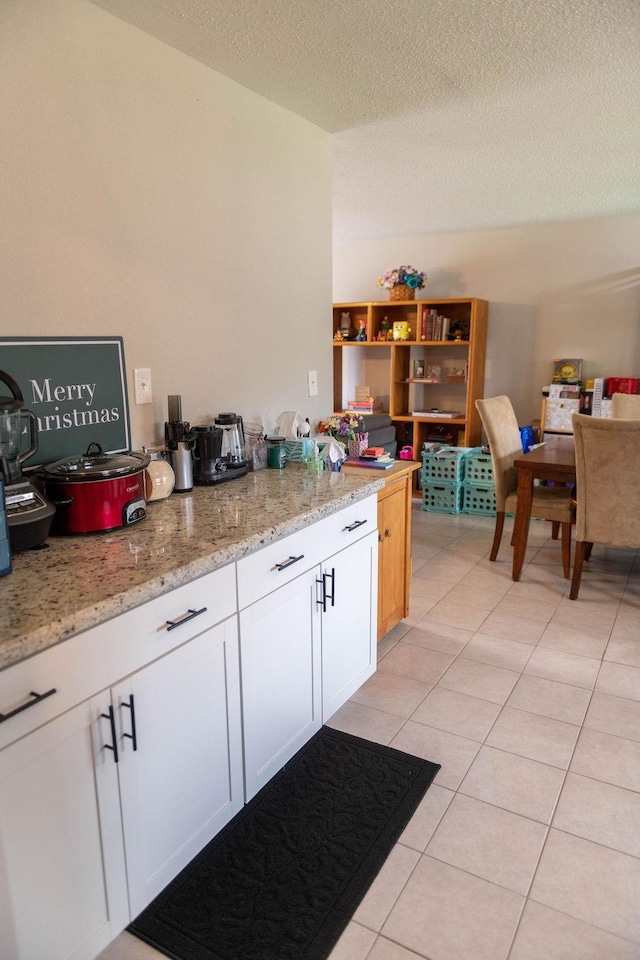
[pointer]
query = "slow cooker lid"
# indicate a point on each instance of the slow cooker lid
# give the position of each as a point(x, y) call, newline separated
point(96, 465)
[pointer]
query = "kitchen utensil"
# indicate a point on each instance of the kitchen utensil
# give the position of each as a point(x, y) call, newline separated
point(97, 491)
point(179, 443)
point(28, 514)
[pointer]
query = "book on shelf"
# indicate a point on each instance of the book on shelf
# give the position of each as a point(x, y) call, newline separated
point(358, 406)
point(437, 414)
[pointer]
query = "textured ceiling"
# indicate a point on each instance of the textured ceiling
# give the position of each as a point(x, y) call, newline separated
point(447, 114)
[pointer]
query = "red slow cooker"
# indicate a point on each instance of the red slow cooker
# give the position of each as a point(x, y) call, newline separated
point(96, 492)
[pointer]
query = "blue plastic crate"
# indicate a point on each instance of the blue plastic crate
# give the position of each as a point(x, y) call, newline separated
point(442, 497)
point(479, 499)
point(447, 465)
point(478, 468)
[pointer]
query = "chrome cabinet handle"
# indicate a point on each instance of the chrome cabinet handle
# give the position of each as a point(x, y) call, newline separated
point(37, 697)
point(189, 615)
point(288, 563)
point(354, 526)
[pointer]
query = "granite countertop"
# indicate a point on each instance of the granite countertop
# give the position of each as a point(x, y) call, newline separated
point(77, 582)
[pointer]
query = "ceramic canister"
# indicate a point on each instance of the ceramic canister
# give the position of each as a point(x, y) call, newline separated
point(159, 478)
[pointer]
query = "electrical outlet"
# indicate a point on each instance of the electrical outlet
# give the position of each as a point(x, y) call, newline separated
point(142, 385)
point(313, 383)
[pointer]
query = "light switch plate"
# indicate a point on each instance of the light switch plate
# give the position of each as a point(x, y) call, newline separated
point(313, 383)
point(142, 385)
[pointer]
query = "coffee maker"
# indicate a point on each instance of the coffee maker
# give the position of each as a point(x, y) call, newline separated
point(29, 514)
point(219, 450)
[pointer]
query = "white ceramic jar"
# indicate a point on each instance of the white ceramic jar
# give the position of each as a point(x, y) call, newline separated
point(159, 478)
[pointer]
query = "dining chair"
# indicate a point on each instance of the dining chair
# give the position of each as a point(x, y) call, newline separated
point(549, 503)
point(607, 491)
point(625, 406)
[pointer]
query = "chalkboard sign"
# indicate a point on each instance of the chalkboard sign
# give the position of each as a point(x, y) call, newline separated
point(76, 388)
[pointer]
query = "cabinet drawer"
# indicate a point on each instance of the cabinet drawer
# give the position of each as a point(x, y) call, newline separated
point(78, 668)
point(277, 564)
point(348, 525)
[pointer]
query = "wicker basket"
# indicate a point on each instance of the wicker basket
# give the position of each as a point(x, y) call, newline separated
point(402, 292)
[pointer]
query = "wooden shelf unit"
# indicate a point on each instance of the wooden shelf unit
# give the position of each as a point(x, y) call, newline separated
point(407, 394)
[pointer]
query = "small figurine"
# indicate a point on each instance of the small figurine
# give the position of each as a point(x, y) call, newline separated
point(362, 332)
point(345, 325)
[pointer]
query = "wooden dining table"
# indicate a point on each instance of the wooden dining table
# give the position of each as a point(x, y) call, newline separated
point(554, 459)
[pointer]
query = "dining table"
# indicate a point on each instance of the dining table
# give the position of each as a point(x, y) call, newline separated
point(553, 459)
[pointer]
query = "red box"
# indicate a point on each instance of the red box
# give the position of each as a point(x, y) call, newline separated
point(621, 385)
point(374, 452)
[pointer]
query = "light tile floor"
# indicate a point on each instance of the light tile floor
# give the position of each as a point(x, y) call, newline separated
point(527, 845)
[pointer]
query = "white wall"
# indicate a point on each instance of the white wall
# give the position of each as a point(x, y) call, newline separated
point(146, 196)
point(567, 289)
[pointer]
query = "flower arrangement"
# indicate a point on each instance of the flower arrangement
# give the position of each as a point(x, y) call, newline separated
point(403, 276)
point(341, 426)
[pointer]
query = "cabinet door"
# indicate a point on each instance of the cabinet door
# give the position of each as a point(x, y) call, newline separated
point(393, 556)
point(349, 622)
point(184, 780)
point(281, 677)
point(62, 875)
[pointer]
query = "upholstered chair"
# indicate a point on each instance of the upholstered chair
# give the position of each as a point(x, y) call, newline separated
point(625, 406)
point(607, 491)
point(549, 503)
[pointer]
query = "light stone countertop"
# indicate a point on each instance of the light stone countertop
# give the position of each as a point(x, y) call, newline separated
point(78, 582)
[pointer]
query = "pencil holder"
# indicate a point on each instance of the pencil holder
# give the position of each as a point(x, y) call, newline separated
point(358, 447)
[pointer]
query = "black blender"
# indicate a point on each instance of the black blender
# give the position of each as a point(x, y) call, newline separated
point(29, 515)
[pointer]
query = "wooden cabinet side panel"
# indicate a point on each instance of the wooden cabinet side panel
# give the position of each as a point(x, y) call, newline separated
point(394, 517)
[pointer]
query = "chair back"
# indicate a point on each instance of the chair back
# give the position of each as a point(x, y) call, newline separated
point(625, 406)
point(503, 435)
point(607, 470)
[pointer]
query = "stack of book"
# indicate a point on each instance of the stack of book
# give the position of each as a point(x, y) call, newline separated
point(364, 406)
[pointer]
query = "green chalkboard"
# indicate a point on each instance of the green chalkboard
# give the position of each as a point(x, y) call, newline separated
point(77, 389)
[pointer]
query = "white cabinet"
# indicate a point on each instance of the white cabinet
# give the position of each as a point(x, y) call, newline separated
point(281, 677)
point(85, 841)
point(63, 890)
point(180, 771)
point(349, 624)
point(308, 644)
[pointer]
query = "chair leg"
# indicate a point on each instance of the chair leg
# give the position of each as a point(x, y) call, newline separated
point(555, 529)
point(581, 548)
point(566, 550)
point(587, 550)
point(497, 534)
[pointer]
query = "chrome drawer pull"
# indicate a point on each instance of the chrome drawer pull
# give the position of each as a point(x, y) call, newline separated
point(288, 563)
point(37, 697)
point(354, 525)
point(189, 615)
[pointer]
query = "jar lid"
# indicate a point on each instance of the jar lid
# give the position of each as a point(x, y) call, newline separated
point(276, 439)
